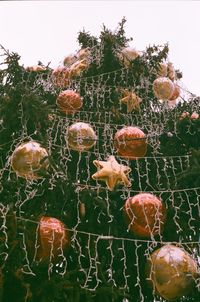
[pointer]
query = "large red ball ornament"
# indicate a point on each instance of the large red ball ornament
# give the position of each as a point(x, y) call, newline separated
point(145, 215)
point(171, 272)
point(130, 142)
point(53, 239)
point(29, 160)
point(163, 88)
point(69, 101)
point(61, 76)
point(81, 136)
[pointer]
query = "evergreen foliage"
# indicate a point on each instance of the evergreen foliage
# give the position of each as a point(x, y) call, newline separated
point(28, 111)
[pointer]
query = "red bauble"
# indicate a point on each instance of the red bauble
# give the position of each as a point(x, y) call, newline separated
point(61, 76)
point(145, 214)
point(53, 239)
point(130, 142)
point(176, 93)
point(69, 101)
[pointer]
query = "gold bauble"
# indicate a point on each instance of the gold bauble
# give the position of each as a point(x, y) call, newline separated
point(29, 160)
point(81, 136)
point(171, 272)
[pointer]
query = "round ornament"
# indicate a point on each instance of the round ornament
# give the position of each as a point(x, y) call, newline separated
point(53, 239)
point(176, 93)
point(127, 55)
point(163, 88)
point(35, 68)
point(82, 54)
point(61, 76)
point(145, 214)
point(171, 71)
point(69, 101)
point(130, 142)
point(81, 136)
point(194, 116)
point(78, 67)
point(69, 60)
point(29, 160)
point(171, 272)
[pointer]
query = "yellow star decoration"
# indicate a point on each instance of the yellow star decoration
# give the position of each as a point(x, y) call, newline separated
point(112, 173)
point(131, 100)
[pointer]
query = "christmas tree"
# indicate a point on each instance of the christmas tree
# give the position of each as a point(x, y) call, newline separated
point(100, 183)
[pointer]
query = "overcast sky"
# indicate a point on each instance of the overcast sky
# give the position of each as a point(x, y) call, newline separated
point(47, 30)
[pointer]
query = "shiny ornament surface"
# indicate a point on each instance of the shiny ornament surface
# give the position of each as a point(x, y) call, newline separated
point(36, 68)
point(130, 142)
point(81, 136)
point(176, 93)
point(171, 272)
point(29, 160)
point(82, 54)
point(69, 60)
point(194, 116)
point(163, 88)
point(61, 76)
point(78, 67)
point(69, 101)
point(127, 55)
point(112, 173)
point(53, 239)
point(171, 71)
point(162, 70)
point(145, 214)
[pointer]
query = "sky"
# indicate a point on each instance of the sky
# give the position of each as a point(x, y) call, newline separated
point(47, 31)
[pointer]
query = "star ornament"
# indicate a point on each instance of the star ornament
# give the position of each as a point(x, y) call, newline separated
point(112, 173)
point(131, 100)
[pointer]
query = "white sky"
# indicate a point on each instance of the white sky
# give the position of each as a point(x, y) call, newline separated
point(47, 30)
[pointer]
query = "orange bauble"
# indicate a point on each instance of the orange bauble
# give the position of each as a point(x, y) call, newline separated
point(163, 88)
point(176, 93)
point(53, 239)
point(145, 215)
point(69, 101)
point(130, 142)
point(61, 76)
